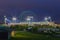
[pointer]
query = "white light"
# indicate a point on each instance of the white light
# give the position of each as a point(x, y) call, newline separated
point(5, 18)
point(28, 19)
point(45, 18)
point(49, 17)
point(29, 16)
point(13, 18)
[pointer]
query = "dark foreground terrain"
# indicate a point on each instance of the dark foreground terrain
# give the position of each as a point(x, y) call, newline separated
point(32, 36)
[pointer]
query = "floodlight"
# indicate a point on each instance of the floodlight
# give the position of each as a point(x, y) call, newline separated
point(14, 18)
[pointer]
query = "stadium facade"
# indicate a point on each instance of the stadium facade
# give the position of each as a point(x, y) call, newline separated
point(33, 23)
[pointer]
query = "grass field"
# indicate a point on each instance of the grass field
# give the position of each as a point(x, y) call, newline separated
point(32, 36)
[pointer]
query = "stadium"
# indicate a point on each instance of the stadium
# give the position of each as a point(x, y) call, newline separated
point(47, 21)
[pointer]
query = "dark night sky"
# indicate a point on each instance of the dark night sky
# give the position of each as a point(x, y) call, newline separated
point(40, 8)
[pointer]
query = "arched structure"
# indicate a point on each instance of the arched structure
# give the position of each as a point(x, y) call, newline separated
point(24, 14)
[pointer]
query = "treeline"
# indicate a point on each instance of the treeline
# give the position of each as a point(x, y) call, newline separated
point(22, 27)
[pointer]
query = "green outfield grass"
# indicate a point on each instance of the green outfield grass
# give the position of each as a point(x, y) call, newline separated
point(32, 36)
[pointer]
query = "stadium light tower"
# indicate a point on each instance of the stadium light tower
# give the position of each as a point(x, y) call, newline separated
point(50, 18)
point(5, 18)
point(14, 19)
point(29, 18)
point(46, 19)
